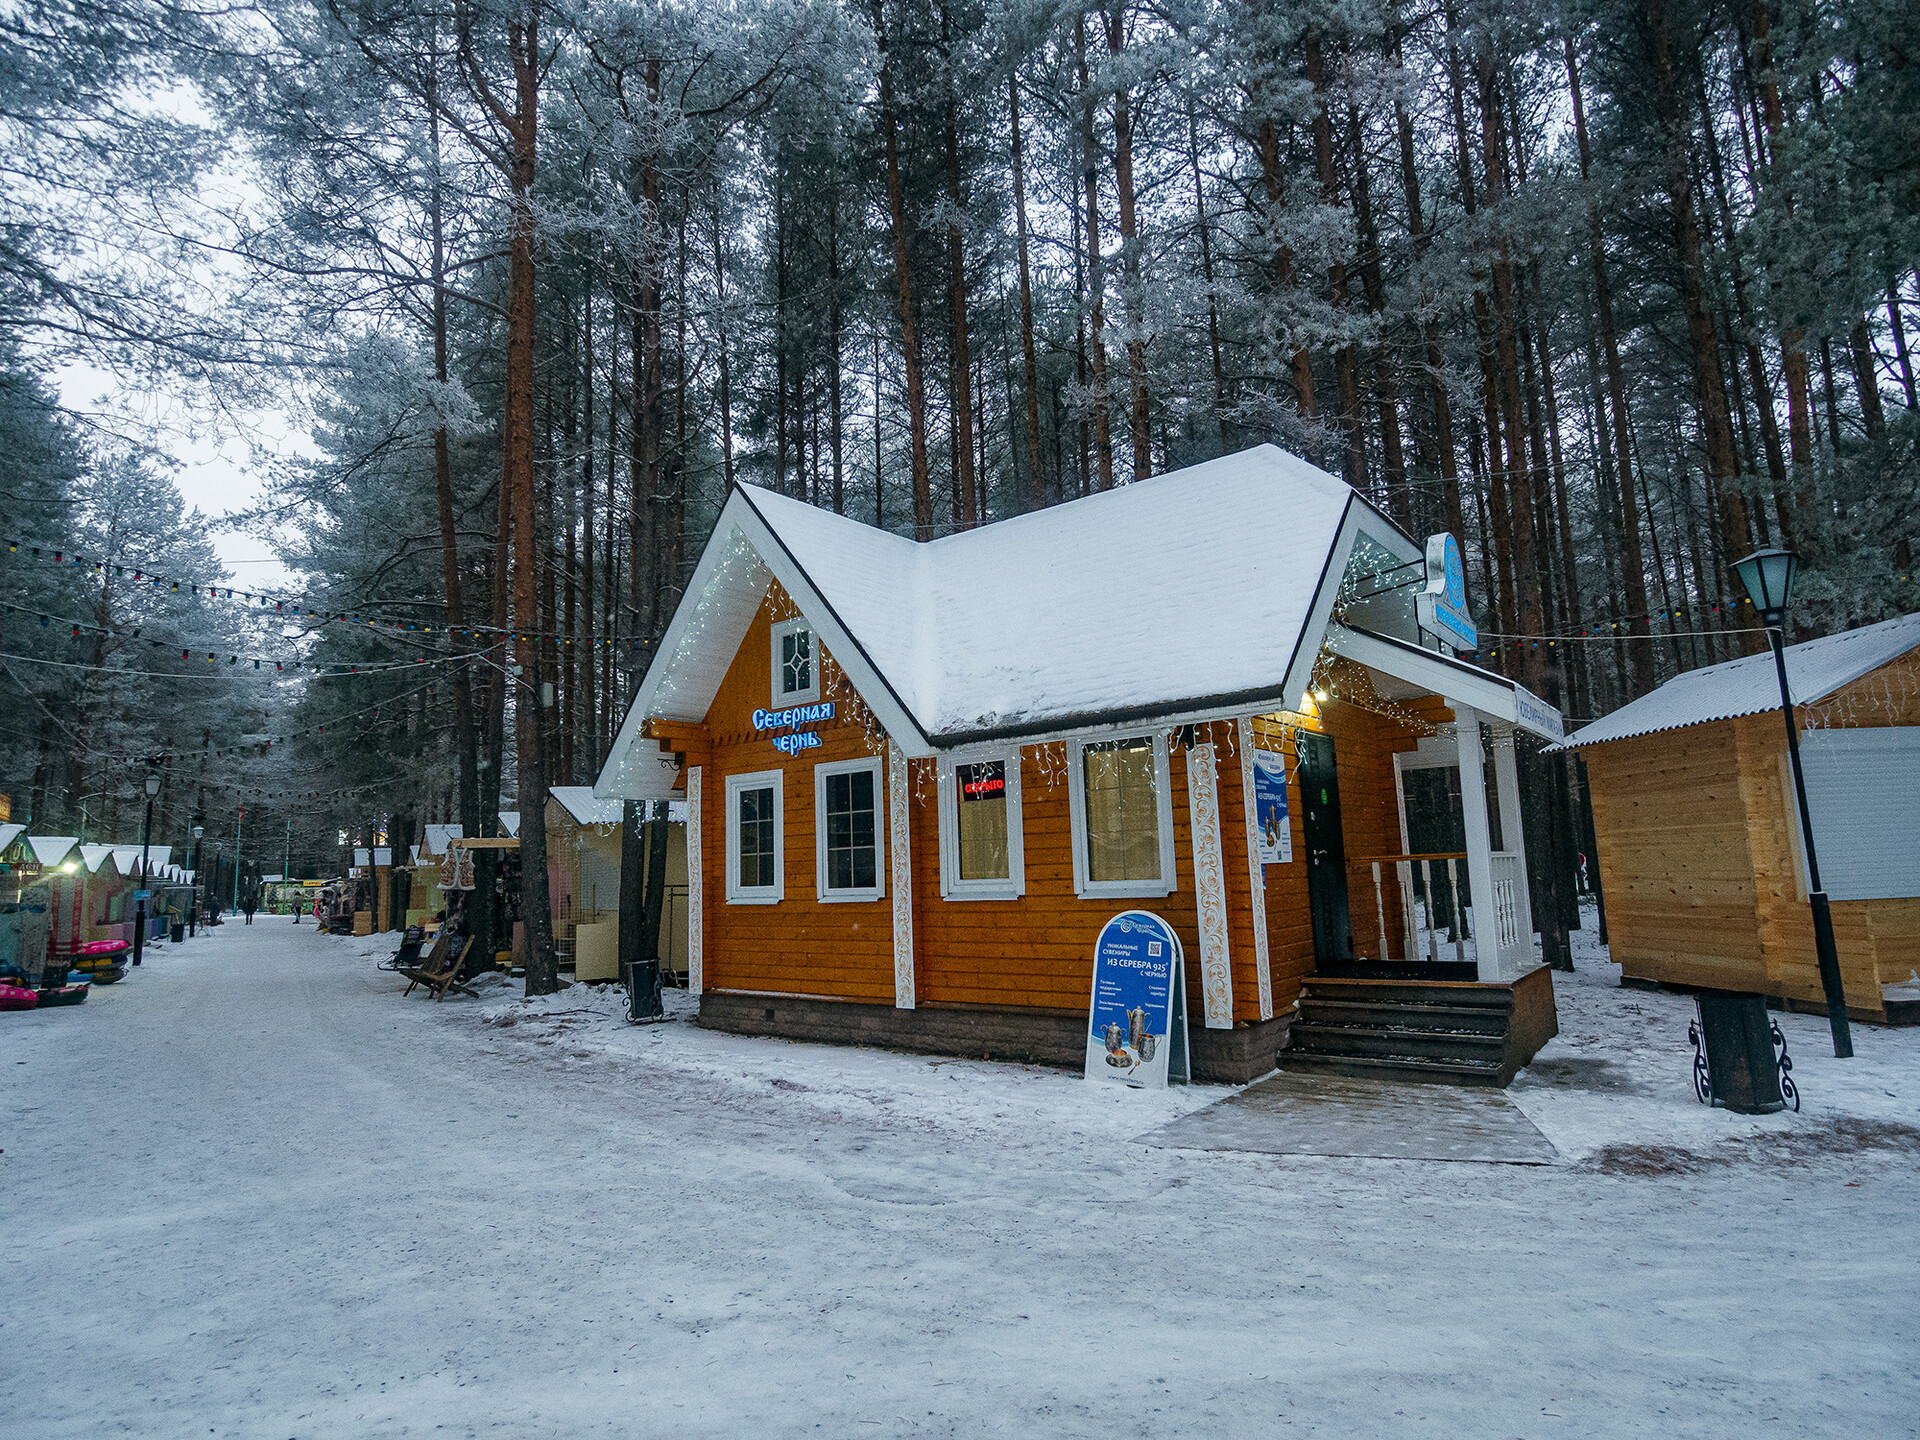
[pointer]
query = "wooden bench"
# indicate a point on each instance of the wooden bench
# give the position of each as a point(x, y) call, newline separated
point(440, 971)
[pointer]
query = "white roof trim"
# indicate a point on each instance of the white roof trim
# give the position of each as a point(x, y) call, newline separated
point(580, 802)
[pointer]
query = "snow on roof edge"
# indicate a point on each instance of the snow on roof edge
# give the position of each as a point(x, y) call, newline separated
point(1815, 669)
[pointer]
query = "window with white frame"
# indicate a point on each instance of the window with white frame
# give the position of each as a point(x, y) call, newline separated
point(849, 808)
point(796, 663)
point(981, 844)
point(755, 839)
point(1122, 811)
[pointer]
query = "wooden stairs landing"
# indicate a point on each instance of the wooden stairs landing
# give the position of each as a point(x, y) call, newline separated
point(1439, 1031)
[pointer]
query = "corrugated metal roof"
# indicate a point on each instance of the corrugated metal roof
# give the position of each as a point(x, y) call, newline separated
point(1815, 669)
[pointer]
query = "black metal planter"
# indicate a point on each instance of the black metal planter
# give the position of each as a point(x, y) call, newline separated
point(643, 991)
point(1740, 1057)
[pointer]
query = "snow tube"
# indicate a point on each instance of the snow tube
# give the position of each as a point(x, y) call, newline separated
point(109, 975)
point(12, 997)
point(64, 995)
point(102, 947)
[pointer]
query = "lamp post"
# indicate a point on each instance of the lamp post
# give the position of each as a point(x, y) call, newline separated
point(146, 834)
point(199, 879)
point(1768, 576)
point(239, 820)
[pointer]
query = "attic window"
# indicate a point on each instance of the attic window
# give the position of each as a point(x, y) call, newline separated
point(796, 666)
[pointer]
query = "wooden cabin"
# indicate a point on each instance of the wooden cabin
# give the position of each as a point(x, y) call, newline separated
point(1698, 831)
point(920, 777)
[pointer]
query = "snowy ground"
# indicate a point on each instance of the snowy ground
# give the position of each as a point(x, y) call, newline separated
point(253, 1192)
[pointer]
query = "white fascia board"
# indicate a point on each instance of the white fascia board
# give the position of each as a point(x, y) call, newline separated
point(622, 777)
point(1490, 694)
point(1306, 649)
point(875, 693)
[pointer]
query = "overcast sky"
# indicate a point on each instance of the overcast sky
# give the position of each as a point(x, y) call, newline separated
point(218, 470)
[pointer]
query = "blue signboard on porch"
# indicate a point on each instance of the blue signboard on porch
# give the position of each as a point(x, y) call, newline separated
point(1441, 608)
point(1137, 1032)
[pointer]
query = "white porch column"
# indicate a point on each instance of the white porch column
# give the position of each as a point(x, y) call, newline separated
point(696, 888)
point(900, 861)
point(1473, 809)
point(1513, 836)
point(1210, 886)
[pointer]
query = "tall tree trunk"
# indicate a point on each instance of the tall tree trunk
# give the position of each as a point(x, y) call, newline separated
point(1443, 441)
point(725, 397)
point(909, 338)
point(465, 732)
point(1273, 180)
point(1866, 376)
point(1793, 352)
point(1096, 266)
point(520, 121)
point(1037, 498)
point(1206, 272)
point(833, 358)
point(1710, 391)
point(1139, 420)
point(1346, 373)
point(960, 381)
point(1633, 572)
point(1385, 390)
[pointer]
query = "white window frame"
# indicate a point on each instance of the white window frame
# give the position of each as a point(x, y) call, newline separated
point(952, 886)
point(780, 630)
point(738, 894)
point(875, 766)
point(1087, 888)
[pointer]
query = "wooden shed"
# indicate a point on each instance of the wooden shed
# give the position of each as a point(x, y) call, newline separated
point(919, 777)
point(1698, 832)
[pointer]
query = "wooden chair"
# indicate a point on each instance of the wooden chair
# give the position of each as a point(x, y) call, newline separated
point(440, 971)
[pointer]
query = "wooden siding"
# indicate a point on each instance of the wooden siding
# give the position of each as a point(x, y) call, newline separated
point(1036, 951)
point(1697, 851)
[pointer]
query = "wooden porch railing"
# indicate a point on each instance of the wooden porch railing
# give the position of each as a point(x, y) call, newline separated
point(1502, 934)
point(1420, 935)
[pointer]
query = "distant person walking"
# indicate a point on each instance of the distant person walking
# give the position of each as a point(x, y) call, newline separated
point(249, 903)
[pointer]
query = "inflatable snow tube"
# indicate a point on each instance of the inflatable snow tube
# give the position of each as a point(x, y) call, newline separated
point(12, 997)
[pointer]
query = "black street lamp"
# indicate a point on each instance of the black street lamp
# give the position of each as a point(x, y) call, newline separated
point(146, 834)
point(1768, 576)
point(193, 901)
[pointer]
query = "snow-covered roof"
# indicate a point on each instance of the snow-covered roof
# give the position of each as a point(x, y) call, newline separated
point(93, 856)
point(1750, 686)
point(1199, 593)
point(10, 833)
point(578, 802)
point(51, 849)
point(126, 858)
point(510, 823)
point(437, 837)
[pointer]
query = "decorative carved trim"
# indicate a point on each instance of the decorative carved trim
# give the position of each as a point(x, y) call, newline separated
point(696, 887)
point(900, 858)
point(1209, 886)
point(1257, 872)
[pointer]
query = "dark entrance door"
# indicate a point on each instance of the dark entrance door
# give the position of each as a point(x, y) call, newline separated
point(1326, 847)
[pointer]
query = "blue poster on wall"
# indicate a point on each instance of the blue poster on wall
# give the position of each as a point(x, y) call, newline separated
point(1138, 1029)
point(1270, 807)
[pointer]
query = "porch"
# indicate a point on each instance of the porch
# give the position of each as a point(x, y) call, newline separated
point(1424, 962)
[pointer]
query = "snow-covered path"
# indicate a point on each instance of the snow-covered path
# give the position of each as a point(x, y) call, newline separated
point(253, 1192)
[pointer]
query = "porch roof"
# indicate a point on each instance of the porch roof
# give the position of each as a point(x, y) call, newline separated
point(1427, 672)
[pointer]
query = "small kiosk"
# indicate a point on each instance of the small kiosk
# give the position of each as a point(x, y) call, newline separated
point(1698, 831)
point(920, 778)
